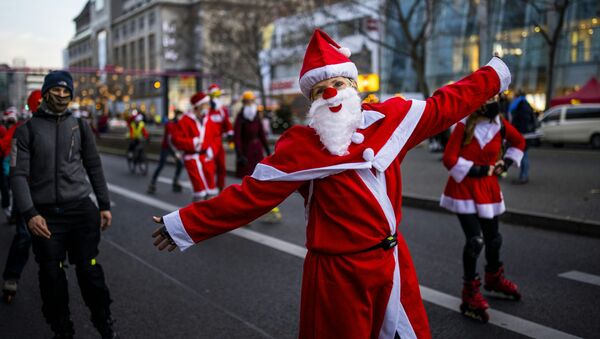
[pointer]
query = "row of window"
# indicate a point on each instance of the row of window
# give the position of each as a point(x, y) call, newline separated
point(133, 55)
point(129, 28)
point(575, 113)
point(79, 49)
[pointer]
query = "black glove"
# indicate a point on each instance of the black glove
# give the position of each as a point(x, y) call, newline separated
point(507, 163)
point(477, 171)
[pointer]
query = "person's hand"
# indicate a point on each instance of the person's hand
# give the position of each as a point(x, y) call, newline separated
point(105, 220)
point(162, 238)
point(37, 225)
point(490, 170)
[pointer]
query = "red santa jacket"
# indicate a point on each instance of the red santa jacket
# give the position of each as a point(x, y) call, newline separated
point(481, 195)
point(194, 136)
point(220, 116)
point(354, 201)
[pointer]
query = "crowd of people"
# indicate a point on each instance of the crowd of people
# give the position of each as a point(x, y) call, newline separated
point(345, 164)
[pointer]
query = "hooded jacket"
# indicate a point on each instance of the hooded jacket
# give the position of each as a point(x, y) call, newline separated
point(50, 158)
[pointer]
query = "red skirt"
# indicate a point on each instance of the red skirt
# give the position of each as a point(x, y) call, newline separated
point(481, 196)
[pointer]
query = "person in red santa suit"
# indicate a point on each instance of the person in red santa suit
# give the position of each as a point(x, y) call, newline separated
point(475, 159)
point(195, 135)
point(359, 280)
point(220, 116)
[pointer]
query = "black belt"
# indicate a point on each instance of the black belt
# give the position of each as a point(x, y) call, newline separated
point(386, 244)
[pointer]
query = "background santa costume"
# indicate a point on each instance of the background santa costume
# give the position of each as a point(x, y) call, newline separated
point(219, 115)
point(351, 287)
point(473, 157)
point(194, 136)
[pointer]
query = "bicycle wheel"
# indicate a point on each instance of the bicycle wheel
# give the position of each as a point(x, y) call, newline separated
point(130, 162)
point(142, 164)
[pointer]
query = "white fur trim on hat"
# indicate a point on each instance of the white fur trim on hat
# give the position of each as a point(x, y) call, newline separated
point(204, 100)
point(310, 78)
point(345, 51)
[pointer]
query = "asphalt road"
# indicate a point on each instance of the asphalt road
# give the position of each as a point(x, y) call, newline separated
point(232, 287)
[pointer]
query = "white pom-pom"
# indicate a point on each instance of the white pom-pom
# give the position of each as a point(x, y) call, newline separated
point(369, 154)
point(357, 138)
point(345, 51)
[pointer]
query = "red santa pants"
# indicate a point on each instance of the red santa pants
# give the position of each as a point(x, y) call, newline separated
point(201, 172)
point(220, 165)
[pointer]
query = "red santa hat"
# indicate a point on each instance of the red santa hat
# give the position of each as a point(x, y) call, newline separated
point(199, 99)
point(324, 59)
point(33, 101)
point(213, 88)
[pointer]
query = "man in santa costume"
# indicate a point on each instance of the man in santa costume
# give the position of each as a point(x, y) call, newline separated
point(220, 116)
point(359, 280)
point(195, 135)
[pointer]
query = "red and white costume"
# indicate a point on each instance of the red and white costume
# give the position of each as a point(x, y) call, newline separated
point(478, 195)
point(195, 136)
point(220, 117)
point(352, 202)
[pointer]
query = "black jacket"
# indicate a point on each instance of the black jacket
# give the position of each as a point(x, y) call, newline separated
point(48, 167)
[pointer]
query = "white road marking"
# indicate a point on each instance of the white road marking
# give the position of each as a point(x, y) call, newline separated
point(187, 288)
point(183, 183)
point(498, 318)
point(581, 277)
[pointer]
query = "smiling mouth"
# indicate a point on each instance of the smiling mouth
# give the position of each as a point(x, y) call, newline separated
point(336, 109)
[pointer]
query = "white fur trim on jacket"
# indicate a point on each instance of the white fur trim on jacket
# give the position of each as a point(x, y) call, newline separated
point(515, 155)
point(503, 72)
point(310, 78)
point(468, 206)
point(460, 170)
point(177, 231)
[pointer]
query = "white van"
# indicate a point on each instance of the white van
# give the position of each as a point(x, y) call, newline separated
point(572, 124)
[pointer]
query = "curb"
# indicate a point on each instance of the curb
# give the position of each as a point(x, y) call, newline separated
point(517, 217)
point(511, 216)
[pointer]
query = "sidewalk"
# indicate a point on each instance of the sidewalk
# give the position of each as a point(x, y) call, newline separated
point(563, 193)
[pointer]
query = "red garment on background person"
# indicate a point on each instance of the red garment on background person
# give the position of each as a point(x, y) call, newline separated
point(352, 202)
point(170, 127)
point(195, 137)
point(220, 117)
point(250, 141)
point(478, 195)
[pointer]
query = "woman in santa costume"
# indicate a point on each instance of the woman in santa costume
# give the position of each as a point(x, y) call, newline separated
point(195, 135)
point(474, 157)
point(220, 116)
point(359, 280)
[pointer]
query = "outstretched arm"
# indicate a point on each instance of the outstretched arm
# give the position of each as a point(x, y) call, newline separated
point(453, 102)
point(236, 206)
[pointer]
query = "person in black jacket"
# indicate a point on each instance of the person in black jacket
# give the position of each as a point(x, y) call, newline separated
point(51, 157)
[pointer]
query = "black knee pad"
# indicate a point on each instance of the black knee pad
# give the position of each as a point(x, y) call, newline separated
point(474, 246)
point(496, 242)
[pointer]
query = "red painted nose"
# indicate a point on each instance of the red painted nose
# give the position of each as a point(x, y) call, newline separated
point(329, 93)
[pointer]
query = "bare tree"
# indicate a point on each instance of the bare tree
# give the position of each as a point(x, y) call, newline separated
point(236, 31)
point(552, 14)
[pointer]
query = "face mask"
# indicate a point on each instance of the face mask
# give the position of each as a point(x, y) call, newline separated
point(56, 103)
point(491, 110)
point(204, 111)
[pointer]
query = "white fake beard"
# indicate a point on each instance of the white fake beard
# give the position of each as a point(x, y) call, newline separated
point(249, 112)
point(335, 129)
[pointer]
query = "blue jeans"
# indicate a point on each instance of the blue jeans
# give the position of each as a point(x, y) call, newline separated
point(18, 254)
point(524, 174)
point(164, 153)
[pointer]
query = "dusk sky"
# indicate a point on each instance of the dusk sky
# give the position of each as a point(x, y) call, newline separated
point(37, 30)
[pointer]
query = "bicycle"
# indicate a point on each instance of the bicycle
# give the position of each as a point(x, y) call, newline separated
point(137, 160)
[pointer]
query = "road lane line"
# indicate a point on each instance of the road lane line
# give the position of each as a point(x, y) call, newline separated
point(581, 277)
point(187, 288)
point(498, 318)
point(183, 183)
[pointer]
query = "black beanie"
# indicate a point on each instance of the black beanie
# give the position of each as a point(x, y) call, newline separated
point(58, 78)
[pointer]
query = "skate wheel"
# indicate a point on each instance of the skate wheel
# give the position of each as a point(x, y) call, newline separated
point(474, 314)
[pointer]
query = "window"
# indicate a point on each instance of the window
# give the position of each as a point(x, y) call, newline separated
point(132, 26)
point(152, 52)
point(116, 56)
point(552, 116)
point(141, 23)
point(141, 54)
point(583, 113)
point(132, 59)
point(151, 18)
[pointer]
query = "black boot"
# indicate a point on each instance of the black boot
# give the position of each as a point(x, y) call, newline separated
point(105, 326)
point(176, 187)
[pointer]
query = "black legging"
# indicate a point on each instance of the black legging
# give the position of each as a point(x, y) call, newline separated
point(473, 226)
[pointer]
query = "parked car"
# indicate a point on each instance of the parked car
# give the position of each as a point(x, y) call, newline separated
point(571, 124)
